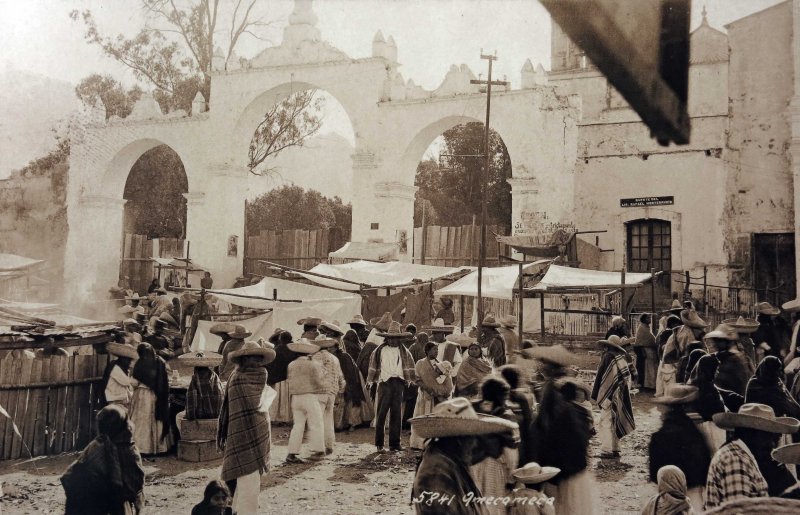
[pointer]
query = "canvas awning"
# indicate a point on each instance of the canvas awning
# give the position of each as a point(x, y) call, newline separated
point(496, 283)
point(12, 262)
point(366, 250)
point(564, 277)
point(179, 264)
point(551, 245)
point(379, 275)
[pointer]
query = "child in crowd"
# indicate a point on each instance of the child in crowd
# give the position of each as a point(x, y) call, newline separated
point(216, 500)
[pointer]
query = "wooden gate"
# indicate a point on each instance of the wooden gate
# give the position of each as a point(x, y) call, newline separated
point(458, 246)
point(51, 404)
point(297, 248)
point(137, 251)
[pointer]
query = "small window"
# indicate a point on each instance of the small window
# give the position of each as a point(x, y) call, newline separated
point(374, 226)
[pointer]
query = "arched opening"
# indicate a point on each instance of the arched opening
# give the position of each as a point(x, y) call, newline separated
point(448, 178)
point(155, 208)
point(301, 177)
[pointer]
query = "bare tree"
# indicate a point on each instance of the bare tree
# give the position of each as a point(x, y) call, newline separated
point(288, 123)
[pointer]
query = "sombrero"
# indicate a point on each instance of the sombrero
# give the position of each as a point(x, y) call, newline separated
point(323, 342)
point(690, 318)
point(556, 354)
point(765, 308)
point(394, 331)
point(126, 310)
point(613, 341)
point(561, 381)
point(313, 321)
point(252, 348)
point(122, 350)
point(438, 327)
point(135, 296)
point(166, 317)
point(533, 473)
point(679, 394)
point(331, 328)
point(509, 321)
point(742, 325)
point(792, 306)
point(490, 321)
point(275, 335)
point(788, 454)
point(457, 417)
point(357, 320)
point(239, 333)
point(462, 340)
point(381, 323)
point(128, 322)
point(756, 416)
point(223, 328)
point(200, 359)
point(722, 332)
point(303, 346)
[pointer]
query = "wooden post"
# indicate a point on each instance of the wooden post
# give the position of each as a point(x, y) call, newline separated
point(653, 291)
point(462, 313)
point(472, 243)
point(188, 244)
point(521, 304)
point(705, 289)
point(541, 312)
point(424, 245)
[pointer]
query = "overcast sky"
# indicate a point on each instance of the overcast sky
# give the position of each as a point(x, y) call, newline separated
point(431, 35)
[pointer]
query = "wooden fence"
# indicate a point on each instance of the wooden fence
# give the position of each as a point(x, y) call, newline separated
point(52, 401)
point(296, 248)
point(137, 254)
point(457, 246)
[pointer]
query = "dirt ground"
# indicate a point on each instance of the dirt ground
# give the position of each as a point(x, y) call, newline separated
point(353, 480)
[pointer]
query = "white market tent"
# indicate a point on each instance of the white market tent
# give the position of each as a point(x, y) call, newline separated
point(314, 301)
point(564, 277)
point(497, 283)
point(368, 274)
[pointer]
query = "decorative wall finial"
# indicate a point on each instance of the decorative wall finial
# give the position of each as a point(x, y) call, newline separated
point(705, 16)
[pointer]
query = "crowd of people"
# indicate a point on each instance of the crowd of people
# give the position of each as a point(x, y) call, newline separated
point(502, 425)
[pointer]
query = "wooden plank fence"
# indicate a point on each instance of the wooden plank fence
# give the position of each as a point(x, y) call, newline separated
point(297, 248)
point(52, 401)
point(458, 246)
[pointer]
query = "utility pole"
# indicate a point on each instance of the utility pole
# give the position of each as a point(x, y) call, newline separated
point(482, 248)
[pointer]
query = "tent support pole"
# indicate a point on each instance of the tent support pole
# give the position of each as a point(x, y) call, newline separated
point(541, 312)
point(521, 296)
point(306, 272)
point(462, 312)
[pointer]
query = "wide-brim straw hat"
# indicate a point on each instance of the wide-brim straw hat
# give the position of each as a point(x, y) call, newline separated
point(561, 381)
point(614, 342)
point(509, 321)
point(490, 321)
point(166, 317)
point(395, 331)
point(679, 394)
point(239, 333)
point(200, 359)
point(792, 306)
point(276, 334)
point(457, 417)
point(533, 473)
point(765, 308)
point(135, 296)
point(557, 354)
point(324, 342)
point(357, 320)
point(722, 332)
point(757, 416)
point(690, 318)
point(251, 348)
point(126, 310)
point(332, 328)
point(788, 454)
point(742, 325)
point(381, 323)
point(313, 321)
point(303, 346)
point(438, 326)
point(130, 322)
point(223, 328)
point(122, 350)
point(462, 340)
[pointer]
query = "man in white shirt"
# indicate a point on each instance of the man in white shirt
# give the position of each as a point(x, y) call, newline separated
point(392, 368)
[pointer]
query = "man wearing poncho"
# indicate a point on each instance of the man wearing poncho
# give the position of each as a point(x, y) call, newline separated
point(244, 426)
point(612, 393)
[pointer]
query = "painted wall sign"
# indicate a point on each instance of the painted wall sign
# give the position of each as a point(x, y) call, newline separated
point(646, 201)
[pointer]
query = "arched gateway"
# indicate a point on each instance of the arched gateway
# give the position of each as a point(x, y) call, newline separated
point(393, 121)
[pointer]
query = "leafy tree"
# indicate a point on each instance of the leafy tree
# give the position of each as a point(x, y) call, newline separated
point(292, 207)
point(110, 93)
point(154, 191)
point(175, 50)
point(452, 186)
